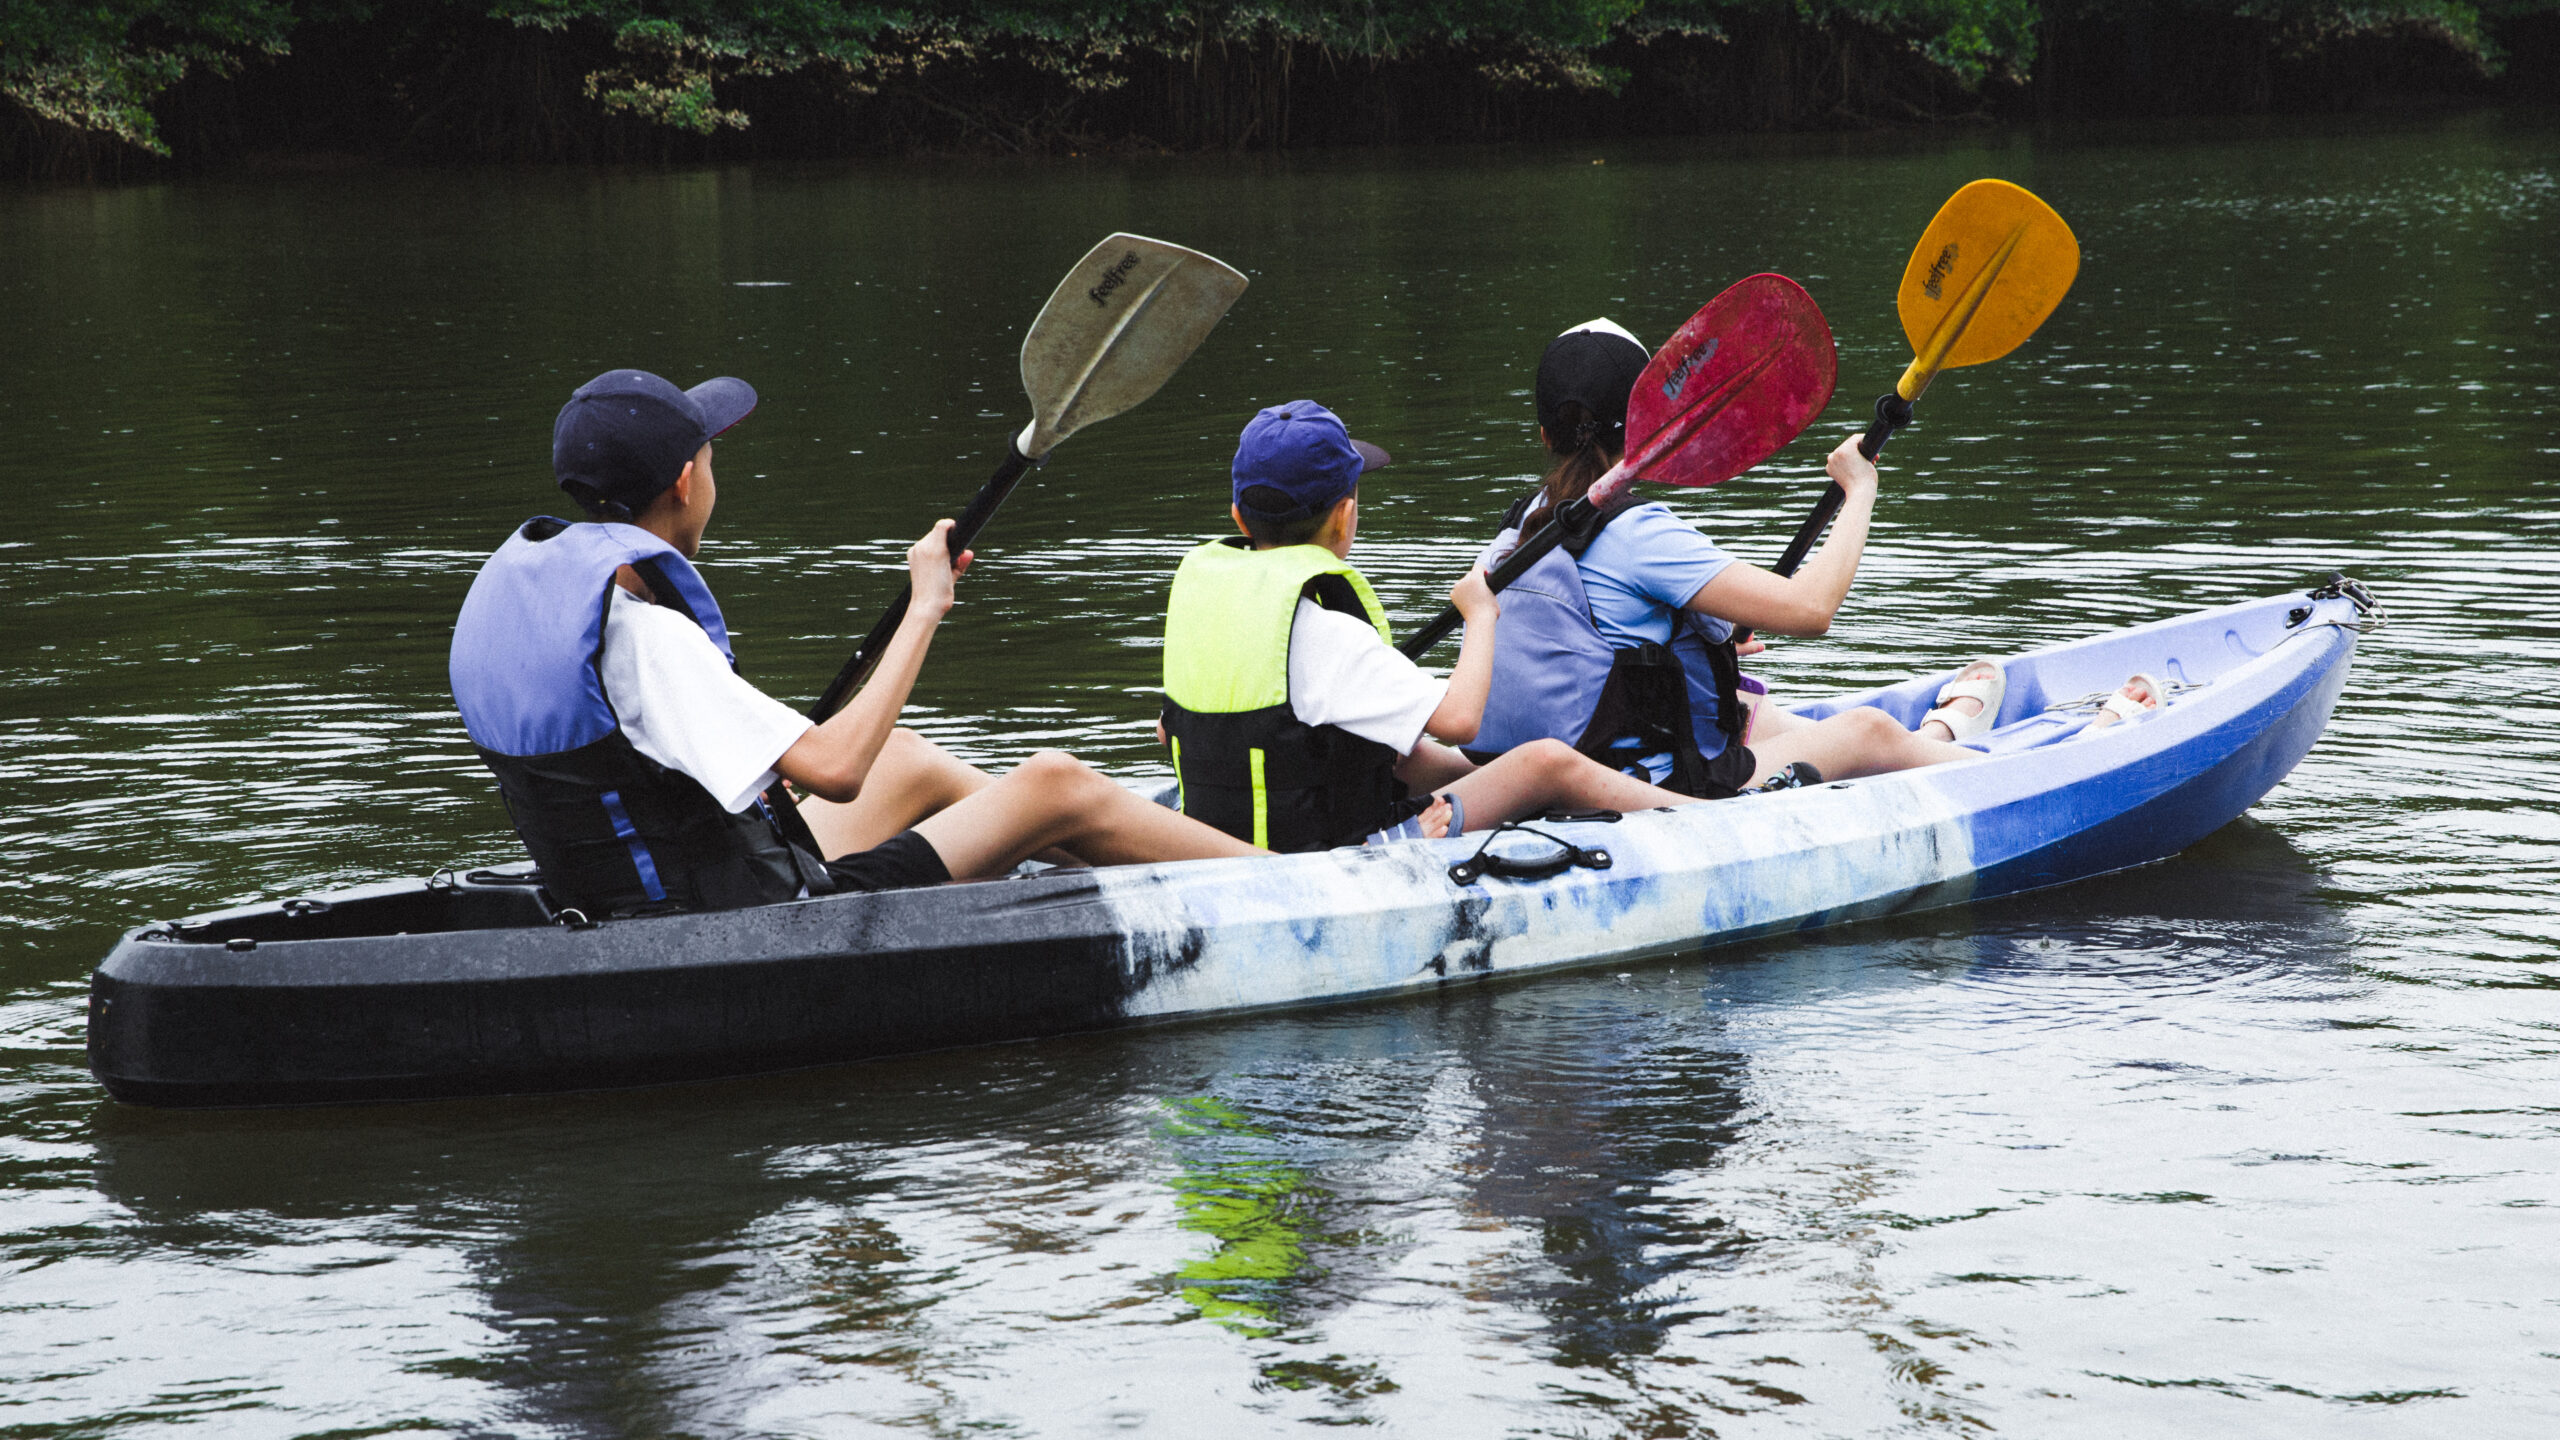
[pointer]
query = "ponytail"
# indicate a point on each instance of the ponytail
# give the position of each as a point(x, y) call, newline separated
point(1585, 455)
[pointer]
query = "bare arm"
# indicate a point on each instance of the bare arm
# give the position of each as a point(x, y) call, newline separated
point(1802, 603)
point(833, 759)
point(1461, 709)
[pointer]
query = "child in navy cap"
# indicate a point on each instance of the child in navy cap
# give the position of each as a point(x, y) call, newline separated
point(1294, 722)
point(594, 671)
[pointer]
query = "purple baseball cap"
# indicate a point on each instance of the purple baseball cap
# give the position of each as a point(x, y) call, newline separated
point(625, 435)
point(1303, 451)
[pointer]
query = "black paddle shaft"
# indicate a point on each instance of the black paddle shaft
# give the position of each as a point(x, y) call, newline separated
point(1567, 520)
point(866, 655)
point(1892, 413)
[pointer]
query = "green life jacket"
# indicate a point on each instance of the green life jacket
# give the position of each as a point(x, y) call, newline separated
point(1242, 758)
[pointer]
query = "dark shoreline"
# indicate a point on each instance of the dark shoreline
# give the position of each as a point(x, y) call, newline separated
point(481, 91)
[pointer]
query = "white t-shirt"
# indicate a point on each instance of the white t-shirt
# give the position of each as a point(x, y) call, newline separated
point(683, 707)
point(1341, 673)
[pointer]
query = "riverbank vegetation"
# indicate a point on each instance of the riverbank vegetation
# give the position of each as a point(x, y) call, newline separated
point(115, 87)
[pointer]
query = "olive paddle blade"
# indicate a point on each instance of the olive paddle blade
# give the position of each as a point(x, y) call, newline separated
point(1732, 386)
point(1124, 319)
point(1986, 273)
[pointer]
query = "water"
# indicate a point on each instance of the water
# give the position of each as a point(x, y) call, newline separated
point(2260, 1141)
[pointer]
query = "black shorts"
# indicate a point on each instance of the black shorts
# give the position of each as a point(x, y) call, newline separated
point(1731, 772)
point(904, 861)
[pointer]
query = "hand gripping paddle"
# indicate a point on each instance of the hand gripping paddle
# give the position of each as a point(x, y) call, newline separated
point(1112, 333)
point(1743, 377)
point(1986, 273)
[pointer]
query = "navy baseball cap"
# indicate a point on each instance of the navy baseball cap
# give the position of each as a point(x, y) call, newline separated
point(625, 435)
point(1303, 451)
point(1594, 364)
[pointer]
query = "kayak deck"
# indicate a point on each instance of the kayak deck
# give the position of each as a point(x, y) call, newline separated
point(477, 984)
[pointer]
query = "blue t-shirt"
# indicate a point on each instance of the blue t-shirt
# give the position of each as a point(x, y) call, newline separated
point(1642, 569)
point(1638, 575)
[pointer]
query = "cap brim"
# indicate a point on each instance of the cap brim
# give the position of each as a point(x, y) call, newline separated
point(724, 401)
point(1371, 457)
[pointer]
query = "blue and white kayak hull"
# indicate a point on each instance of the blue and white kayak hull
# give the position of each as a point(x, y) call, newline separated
point(471, 986)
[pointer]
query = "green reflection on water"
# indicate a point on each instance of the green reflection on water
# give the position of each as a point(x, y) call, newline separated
point(1264, 1213)
point(1258, 1209)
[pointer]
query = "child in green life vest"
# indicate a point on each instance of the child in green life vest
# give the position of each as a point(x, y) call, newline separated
point(1294, 723)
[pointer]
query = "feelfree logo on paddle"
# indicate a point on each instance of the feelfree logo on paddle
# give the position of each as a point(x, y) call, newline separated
point(1938, 269)
point(1113, 278)
point(1679, 378)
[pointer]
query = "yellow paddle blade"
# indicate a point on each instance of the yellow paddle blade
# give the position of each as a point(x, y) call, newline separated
point(1986, 272)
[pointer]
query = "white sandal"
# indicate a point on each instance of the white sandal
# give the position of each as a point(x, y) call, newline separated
point(1989, 689)
point(2124, 708)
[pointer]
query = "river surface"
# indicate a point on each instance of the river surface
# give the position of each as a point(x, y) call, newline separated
point(2264, 1140)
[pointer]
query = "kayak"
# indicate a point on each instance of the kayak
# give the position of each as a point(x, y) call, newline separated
point(477, 983)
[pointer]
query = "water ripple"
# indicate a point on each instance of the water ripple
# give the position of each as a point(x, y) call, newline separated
point(2256, 1140)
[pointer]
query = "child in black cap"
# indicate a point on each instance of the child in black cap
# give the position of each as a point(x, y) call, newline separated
point(1293, 722)
point(1622, 639)
point(593, 671)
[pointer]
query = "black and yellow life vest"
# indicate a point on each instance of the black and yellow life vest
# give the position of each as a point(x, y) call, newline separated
point(1243, 760)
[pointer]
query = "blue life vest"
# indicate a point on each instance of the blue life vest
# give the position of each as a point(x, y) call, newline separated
point(612, 830)
point(1556, 677)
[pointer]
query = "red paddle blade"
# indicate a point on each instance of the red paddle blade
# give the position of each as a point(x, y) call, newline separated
point(1743, 377)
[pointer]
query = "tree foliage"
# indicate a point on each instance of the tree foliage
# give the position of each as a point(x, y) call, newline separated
point(97, 66)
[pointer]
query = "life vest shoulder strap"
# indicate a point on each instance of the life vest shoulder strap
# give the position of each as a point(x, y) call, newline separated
point(1586, 528)
point(1578, 535)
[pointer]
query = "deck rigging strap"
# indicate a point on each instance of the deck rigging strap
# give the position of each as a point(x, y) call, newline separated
point(2096, 699)
point(2363, 624)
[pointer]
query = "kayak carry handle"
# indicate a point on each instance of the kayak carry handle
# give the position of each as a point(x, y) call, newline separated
point(1566, 856)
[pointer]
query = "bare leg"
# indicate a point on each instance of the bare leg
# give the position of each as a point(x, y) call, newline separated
point(912, 778)
point(1547, 775)
point(1773, 721)
point(1863, 741)
point(1056, 801)
point(1432, 766)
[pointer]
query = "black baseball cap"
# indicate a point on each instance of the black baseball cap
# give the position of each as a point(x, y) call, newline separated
point(625, 435)
point(1305, 454)
point(1595, 363)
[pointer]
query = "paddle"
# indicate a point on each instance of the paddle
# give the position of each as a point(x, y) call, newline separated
point(1743, 377)
point(1986, 273)
point(1124, 319)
